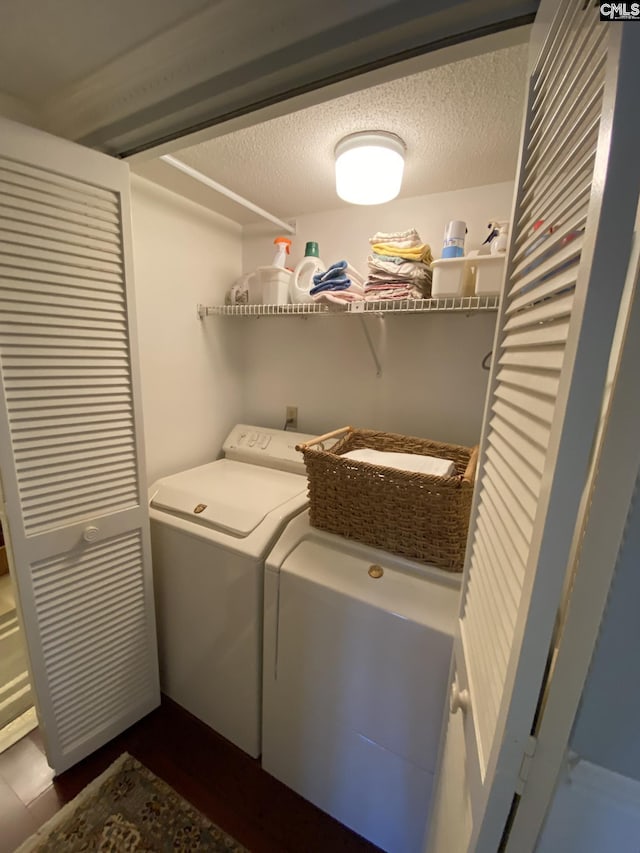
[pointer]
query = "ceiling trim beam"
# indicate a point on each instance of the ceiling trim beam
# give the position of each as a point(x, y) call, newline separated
point(238, 56)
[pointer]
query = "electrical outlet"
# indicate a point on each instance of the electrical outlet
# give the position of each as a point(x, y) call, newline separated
point(291, 417)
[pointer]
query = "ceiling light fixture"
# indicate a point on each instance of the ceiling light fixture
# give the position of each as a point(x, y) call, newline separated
point(369, 167)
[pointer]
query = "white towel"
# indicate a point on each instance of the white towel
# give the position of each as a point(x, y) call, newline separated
point(405, 461)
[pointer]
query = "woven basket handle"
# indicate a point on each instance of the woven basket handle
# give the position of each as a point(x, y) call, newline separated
point(470, 472)
point(334, 434)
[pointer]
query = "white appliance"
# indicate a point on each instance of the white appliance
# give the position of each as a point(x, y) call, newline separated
point(211, 528)
point(357, 645)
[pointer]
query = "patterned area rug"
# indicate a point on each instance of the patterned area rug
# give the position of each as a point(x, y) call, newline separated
point(129, 810)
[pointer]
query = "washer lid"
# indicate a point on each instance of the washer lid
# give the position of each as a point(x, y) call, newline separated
point(227, 495)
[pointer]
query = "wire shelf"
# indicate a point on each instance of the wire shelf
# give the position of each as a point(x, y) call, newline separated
point(464, 304)
point(420, 306)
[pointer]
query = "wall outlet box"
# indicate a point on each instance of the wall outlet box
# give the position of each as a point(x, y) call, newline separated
point(291, 418)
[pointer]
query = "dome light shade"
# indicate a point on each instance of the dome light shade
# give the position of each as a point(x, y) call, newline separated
point(369, 167)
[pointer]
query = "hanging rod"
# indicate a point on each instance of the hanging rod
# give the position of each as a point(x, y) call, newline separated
point(220, 188)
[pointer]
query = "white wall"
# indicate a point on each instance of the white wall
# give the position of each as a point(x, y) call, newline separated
point(191, 374)
point(606, 727)
point(432, 382)
point(594, 811)
point(18, 110)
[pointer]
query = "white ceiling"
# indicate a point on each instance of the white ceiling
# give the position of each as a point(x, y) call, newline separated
point(46, 45)
point(461, 124)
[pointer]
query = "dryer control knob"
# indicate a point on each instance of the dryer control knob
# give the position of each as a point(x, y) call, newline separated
point(90, 534)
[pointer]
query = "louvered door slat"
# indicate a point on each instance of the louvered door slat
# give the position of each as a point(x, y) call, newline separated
point(495, 553)
point(554, 50)
point(56, 482)
point(23, 202)
point(473, 636)
point(79, 423)
point(522, 421)
point(510, 533)
point(592, 57)
point(34, 460)
point(578, 118)
point(511, 499)
point(550, 358)
point(57, 229)
point(71, 420)
point(61, 193)
point(543, 180)
point(112, 591)
point(551, 206)
point(569, 227)
point(71, 448)
point(560, 258)
point(55, 181)
point(562, 91)
point(571, 109)
point(524, 473)
point(53, 283)
point(36, 233)
point(562, 281)
point(11, 249)
point(11, 263)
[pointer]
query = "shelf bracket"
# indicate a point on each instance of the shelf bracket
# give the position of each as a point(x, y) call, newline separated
point(372, 348)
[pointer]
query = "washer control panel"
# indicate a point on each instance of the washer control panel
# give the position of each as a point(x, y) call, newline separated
point(274, 448)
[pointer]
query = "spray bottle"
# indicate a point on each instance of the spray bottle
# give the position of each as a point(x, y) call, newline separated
point(499, 236)
point(284, 247)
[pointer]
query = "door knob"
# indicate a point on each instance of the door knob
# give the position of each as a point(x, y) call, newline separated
point(90, 534)
point(458, 699)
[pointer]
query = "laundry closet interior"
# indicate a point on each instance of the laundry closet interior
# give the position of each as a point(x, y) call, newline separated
point(334, 661)
point(461, 124)
point(422, 371)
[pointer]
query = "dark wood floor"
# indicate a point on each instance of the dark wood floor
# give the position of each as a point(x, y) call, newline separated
point(216, 777)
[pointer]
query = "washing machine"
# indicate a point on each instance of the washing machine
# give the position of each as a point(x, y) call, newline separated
point(357, 648)
point(211, 528)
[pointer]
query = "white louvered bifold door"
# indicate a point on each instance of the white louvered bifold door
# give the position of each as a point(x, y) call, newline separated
point(576, 197)
point(71, 440)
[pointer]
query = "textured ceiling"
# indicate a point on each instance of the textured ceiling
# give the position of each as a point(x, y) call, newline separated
point(461, 124)
point(46, 45)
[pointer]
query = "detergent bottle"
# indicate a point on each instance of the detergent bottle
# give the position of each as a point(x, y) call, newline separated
point(302, 278)
point(284, 247)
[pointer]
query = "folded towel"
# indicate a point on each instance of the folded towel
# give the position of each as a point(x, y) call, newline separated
point(339, 282)
point(339, 297)
point(415, 462)
point(400, 267)
point(334, 271)
point(399, 238)
point(421, 252)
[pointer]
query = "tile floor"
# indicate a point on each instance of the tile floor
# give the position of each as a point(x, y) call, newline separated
point(27, 795)
point(7, 598)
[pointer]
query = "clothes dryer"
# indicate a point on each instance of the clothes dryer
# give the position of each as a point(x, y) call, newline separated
point(357, 649)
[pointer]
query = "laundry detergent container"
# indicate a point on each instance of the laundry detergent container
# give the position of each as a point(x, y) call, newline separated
point(274, 285)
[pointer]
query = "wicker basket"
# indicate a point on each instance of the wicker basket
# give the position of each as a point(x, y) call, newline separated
point(420, 516)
